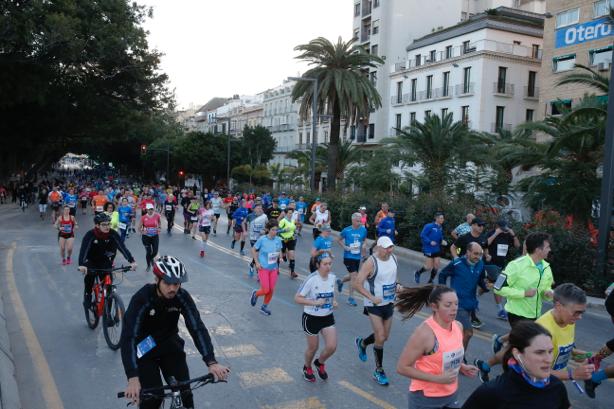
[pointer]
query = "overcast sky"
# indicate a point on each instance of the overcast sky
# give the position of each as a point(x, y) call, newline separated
point(217, 48)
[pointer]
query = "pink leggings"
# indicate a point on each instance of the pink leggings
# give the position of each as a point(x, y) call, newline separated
point(268, 279)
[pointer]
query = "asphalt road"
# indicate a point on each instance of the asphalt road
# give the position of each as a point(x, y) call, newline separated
point(61, 363)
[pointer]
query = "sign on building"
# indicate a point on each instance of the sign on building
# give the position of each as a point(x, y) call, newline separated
point(583, 32)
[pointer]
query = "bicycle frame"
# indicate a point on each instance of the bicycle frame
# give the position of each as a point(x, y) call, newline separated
point(100, 290)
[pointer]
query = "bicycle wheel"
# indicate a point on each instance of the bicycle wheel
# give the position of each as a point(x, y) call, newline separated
point(112, 320)
point(90, 313)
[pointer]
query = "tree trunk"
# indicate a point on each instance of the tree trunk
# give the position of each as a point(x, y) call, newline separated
point(333, 148)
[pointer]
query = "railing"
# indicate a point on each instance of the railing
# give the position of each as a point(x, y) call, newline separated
point(394, 131)
point(464, 89)
point(409, 98)
point(531, 92)
point(495, 127)
point(281, 128)
point(396, 100)
point(443, 92)
point(366, 8)
point(365, 36)
point(503, 88)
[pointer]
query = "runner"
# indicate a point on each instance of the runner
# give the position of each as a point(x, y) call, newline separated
point(364, 218)
point(608, 372)
point(66, 225)
point(274, 212)
point(71, 200)
point(217, 205)
point(317, 295)
point(185, 203)
point(266, 252)
point(383, 212)
point(433, 355)
point(98, 202)
point(192, 212)
point(287, 230)
point(170, 206)
point(387, 226)
point(239, 224)
point(301, 209)
point(205, 218)
point(322, 245)
point(43, 197)
point(319, 217)
point(432, 241)
point(84, 197)
point(232, 208)
point(463, 228)
point(377, 283)
point(55, 200)
point(149, 226)
point(124, 218)
point(257, 224)
point(109, 209)
point(227, 205)
point(353, 240)
point(283, 201)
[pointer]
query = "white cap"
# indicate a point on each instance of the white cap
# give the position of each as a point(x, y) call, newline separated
point(149, 206)
point(384, 242)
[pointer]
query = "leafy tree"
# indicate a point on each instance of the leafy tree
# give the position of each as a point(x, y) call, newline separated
point(303, 158)
point(258, 145)
point(343, 89)
point(375, 172)
point(348, 155)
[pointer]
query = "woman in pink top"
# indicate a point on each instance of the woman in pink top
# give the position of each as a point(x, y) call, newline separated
point(433, 355)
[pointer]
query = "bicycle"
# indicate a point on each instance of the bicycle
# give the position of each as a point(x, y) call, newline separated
point(174, 389)
point(106, 303)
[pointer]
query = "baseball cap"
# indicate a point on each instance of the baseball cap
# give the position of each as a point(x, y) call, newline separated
point(149, 206)
point(385, 242)
point(478, 221)
point(502, 224)
point(325, 227)
point(362, 208)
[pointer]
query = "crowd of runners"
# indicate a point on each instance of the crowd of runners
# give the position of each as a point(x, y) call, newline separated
point(537, 354)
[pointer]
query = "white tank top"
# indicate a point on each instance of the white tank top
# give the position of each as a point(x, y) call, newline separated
point(383, 283)
point(321, 217)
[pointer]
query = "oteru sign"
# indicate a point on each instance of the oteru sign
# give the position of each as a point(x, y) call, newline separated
point(581, 33)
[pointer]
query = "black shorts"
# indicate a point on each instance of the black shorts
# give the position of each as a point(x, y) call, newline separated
point(55, 206)
point(352, 264)
point(238, 228)
point(432, 255)
point(217, 215)
point(73, 211)
point(66, 235)
point(513, 319)
point(313, 324)
point(383, 311)
point(288, 245)
point(204, 229)
point(84, 204)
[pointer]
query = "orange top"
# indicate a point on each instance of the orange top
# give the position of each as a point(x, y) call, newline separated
point(55, 196)
point(99, 202)
point(448, 357)
point(379, 216)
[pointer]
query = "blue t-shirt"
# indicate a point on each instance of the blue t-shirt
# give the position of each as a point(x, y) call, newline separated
point(70, 200)
point(268, 251)
point(124, 213)
point(111, 196)
point(239, 215)
point(283, 202)
point(300, 207)
point(354, 238)
point(323, 243)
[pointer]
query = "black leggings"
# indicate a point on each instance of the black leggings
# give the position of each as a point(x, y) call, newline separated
point(170, 220)
point(168, 357)
point(151, 247)
point(88, 281)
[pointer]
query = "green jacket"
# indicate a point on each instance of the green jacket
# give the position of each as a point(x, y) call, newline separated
point(523, 274)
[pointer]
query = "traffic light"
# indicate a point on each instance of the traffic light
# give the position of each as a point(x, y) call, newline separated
point(143, 149)
point(181, 173)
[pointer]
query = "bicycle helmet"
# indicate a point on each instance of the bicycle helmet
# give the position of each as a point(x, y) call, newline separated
point(170, 269)
point(101, 218)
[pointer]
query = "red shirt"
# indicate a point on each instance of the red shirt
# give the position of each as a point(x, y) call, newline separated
point(144, 203)
point(150, 224)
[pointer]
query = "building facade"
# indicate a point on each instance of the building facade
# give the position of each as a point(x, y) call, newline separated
point(576, 32)
point(484, 71)
point(280, 116)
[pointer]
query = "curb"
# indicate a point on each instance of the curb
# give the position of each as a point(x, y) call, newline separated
point(9, 397)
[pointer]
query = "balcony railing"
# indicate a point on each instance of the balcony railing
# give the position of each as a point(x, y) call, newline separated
point(464, 89)
point(365, 36)
point(396, 100)
point(495, 127)
point(503, 88)
point(531, 92)
point(366, 9)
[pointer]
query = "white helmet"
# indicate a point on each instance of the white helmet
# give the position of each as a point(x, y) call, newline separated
point(170, 269)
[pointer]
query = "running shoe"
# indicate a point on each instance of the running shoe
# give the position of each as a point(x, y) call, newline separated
point(352, 302)
point(308, 374)
point(63, 261)
point(589, 388)
point(417, 277)
point(253, 299)
point(496, 343)
point(293, 274)
point(265, 310)
point(242, 252)
point(232, 245)
point(68, 260)
point(476, 323)
point(321, 368)
point(362, 352)
point(250, 273)
point(202, 253)
point(484, 370)
point(502, 315)
point(380, 377)
point(339, 285)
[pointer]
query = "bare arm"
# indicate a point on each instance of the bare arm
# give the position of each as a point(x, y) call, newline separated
point(366, 270)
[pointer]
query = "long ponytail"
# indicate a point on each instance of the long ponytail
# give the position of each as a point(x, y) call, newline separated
point(410, 300)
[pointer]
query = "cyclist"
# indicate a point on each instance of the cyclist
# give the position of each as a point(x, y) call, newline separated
point(66, 225)
point(239, 225)
point(205, 218)
point(352, 239)
point(287, 230)
point(170, 206)
point(266, 253)
point(216, 204)
point(257, 225)
point(149, 227)
point(98, 249)
point(150, 341)
point(55, 199)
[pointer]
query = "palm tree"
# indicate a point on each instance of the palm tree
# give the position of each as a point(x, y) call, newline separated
point(277, 174)
point(344, 89)
point(303, 159)
point(348, 155)
point(438, 145)
point(590, 77)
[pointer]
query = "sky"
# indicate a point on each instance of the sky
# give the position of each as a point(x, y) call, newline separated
point(218, 48)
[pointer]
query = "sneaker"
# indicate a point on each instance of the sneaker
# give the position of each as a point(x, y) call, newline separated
point(264, 310)
point(250, 273)
point(321, 368)
point(202, 253)
point(484, 370)
point(589, 388)
point(253, 299)
point(193, 238)
point(362, 352)
point(339, 285)
point(68, 260)
point(380, 377)
point(502, 315)
point(352, 302)
point(476, 323)
point(496, 343)
point(293, 274)
point(242, 252)
point(308, 374)
point(63, 261)
point(417, 277)
point(232, 245)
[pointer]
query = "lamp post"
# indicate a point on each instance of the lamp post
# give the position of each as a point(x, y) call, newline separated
point(314, 117)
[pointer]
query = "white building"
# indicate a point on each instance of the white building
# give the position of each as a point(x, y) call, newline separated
point(485, 71)
point(281, 118)
point(385, 27)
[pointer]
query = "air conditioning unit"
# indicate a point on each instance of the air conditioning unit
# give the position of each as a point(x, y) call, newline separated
point(603, 66)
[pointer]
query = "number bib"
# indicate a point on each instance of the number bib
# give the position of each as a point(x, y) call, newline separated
point(328, 301)
point(194, 218)
point(389, 291)
point(67, 228)
point(99, 208)
point(452, 361)
point(121, 225)
point(355, 247)
point(502, 250)
point(145, 346)
point(168, 208)
point(273, 257)
point(151, 231)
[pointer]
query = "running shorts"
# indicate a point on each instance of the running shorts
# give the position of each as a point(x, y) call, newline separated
point(204, 229)
point(288, 245)
point(383, 311)
point(313, 324)
point(351, 264)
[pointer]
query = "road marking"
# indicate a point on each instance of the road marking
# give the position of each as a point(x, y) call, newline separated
point(309, 403)
point(223, 330)
point(265, 377)
point(237, 351)
point(366, 395)
point(50, 392)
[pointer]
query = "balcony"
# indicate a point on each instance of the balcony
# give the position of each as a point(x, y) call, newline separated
point(443, 92)
point(280, 128)
point(464, 90)
point(503, 89)
point(495, 127)
point(366, 8)
point(396, 100)
point(531, 93)
point(365, 36)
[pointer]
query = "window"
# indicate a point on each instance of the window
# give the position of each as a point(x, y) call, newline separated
point(601, 56)
point(398, 123)
point(371, 131)
point(429, 86)
point(399, 92)
point(602, 7)
point(465, 114)
point(374, 49)
point(300, 138)
point(535, 51)
point(446, 84)
point(566, 18)
point(375, 4)
point(427, 114)
point(466, 80)
point(308, 140)
point(499, 118)
point(444, 112)
point(375, 29)
point(531, 84)
point(467, 48)
point(418, 60)
point(373, 77)
point(529, 115)
point(560, 105)
point(432, 55)
point(564, 63)
point(449, 51)
point(356, 9)
point(325, 136)
point(501, 80)
point(353, 132)
point(412, 118)
point(414, 85)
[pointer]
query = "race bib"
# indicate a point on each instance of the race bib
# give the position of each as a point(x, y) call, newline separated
point(151, 231)
point(194, 218)
point(145, 346)
point(99, 208)
point(389, 291)
point(168, 208)
point(301, 211)
point(328, 301)
point(452, 361)
point(563, 357)
point(502, 250)
point(121, 225)
point(71, 204)
point(66, 228)
point(273, 257)
point(355, 247)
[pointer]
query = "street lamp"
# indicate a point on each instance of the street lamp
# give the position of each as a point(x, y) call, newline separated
point(314, 116)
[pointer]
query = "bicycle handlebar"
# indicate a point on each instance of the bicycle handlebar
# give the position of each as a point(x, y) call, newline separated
point(109, 270)
point(205, 379)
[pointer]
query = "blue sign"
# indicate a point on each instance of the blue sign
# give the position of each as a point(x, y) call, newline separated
point(581, 33)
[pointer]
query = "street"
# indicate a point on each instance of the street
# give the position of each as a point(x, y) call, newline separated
point(61, 363)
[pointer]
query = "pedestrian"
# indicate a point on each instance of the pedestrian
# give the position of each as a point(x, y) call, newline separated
point(266, 252)
point(353, 240)
point(433, 355)
point(432, 242)
point(317, 295)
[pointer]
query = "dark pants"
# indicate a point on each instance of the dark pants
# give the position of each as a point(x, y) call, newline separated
point(170, 220)
point(151, 247)
point(168, 357)
point(513, 319)
point(316, 232)
point(88, 281)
